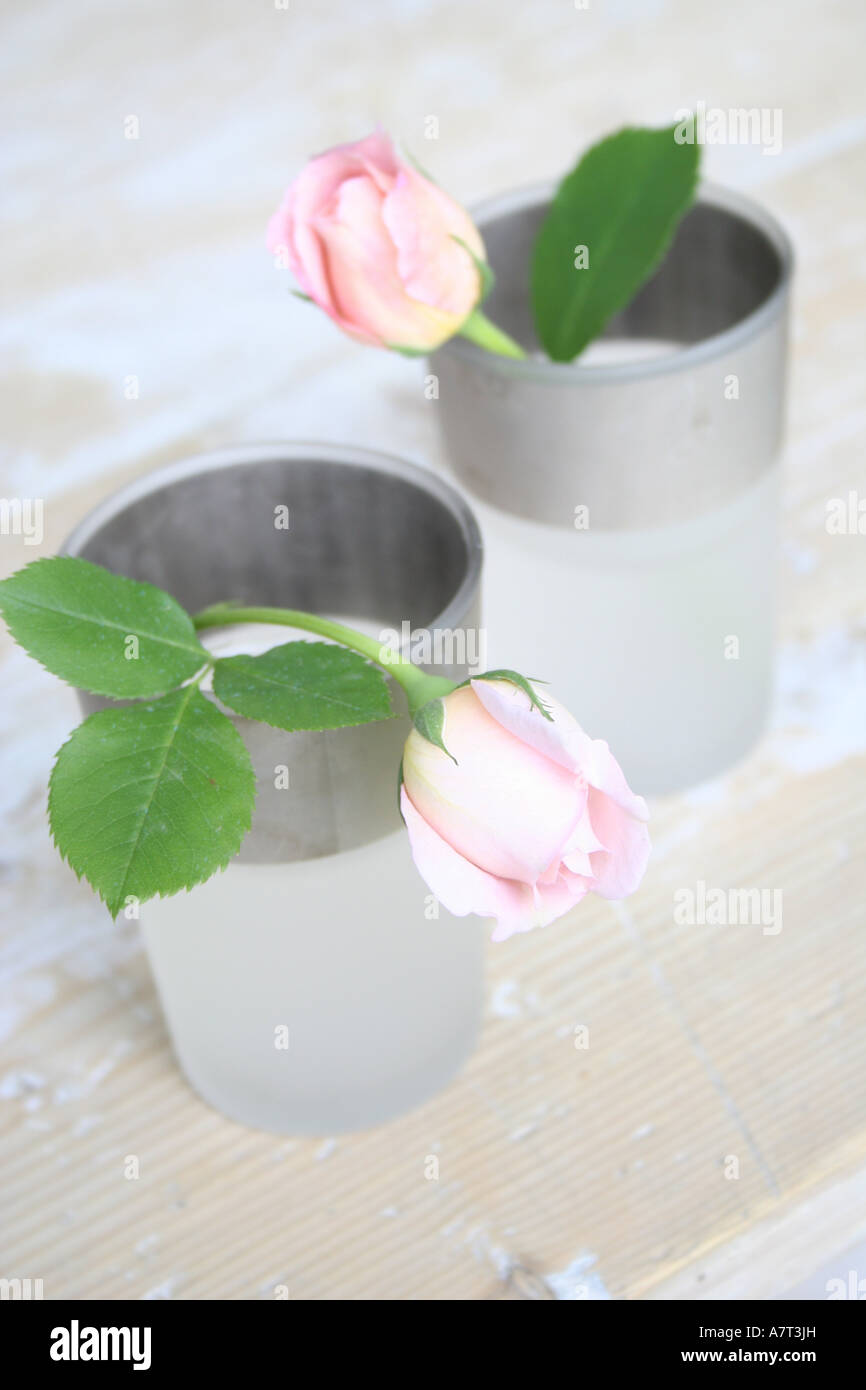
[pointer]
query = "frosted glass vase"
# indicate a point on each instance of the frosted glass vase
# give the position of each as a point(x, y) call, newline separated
point(629, 501)
point(315, 986)
point(317, 996)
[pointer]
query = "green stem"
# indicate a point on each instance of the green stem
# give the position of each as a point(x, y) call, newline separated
point(478, 329)
point(418, 685)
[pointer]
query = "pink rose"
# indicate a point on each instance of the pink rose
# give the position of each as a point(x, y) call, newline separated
point(373, 243)
point(525, 817)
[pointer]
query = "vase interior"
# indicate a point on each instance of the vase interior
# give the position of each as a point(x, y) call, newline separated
point(294, 532)
point(720, 268)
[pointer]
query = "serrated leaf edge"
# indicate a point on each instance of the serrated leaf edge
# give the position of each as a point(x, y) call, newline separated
point(112, 694)
point(220, 866)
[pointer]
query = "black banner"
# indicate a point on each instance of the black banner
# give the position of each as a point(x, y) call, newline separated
point(82, 1338)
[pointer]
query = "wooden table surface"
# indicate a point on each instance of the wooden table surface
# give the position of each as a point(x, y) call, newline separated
point(143, 321)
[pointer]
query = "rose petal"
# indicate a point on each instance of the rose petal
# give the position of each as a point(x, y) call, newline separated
point(561, 739)
point(319, 181)
point(412, 292)
point(362, 269)
point(604, 772)
point(423, 223)
point(501, 805)
point(463, 888)
point(551, 901)
point(583, 842)
point(308, 265)
point(378, 157)
point(617, 871)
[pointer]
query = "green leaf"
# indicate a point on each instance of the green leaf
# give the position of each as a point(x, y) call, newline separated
point(430, 723)
point(111, 635)
point(516, 679)
point(151, 798)
point(622, 202)
point(304, 685)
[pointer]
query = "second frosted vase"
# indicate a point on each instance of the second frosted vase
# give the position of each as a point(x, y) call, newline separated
point(630, 500)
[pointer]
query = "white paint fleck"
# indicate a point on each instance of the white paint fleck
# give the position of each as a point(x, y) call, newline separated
point(522, 1132)
point(326, 1149)
point(578, 1281)
point(16, 1084)
point(266, 1290)
point(504, 1002)
point(85, 1125)
point(162, 1291)
point(68, 1091)
point(820, 718)
point(452, 1227)
point(486, 1251)
point(643, 1131)
point(507, 1001)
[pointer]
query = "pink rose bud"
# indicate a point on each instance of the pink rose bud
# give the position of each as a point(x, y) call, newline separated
point(526, 816)
point(378, 247)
